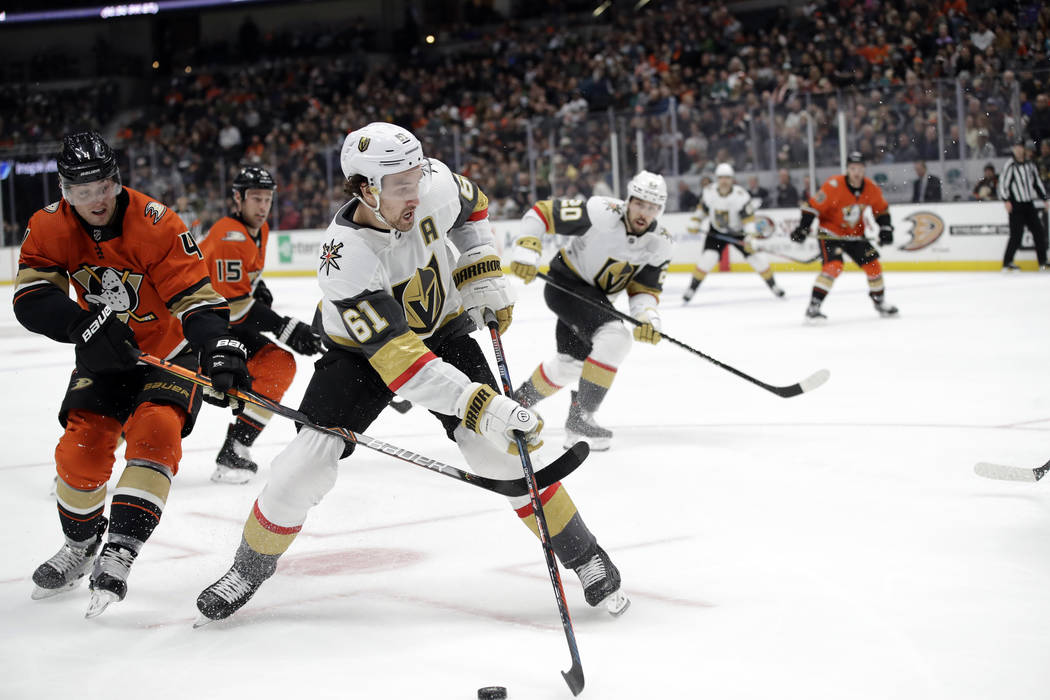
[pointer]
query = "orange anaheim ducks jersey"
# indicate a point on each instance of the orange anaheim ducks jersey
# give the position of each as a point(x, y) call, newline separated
point(840, 212)
point(152, 273)
point(235, 261)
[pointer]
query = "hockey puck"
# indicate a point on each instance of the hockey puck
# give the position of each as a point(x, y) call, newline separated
point(493, 692)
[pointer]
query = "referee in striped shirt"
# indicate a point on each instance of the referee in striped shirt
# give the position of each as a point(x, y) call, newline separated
point(1019, 185)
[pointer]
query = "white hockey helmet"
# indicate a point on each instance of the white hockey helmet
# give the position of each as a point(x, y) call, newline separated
point(380, 149)
point(724, 170)
point(648, 187)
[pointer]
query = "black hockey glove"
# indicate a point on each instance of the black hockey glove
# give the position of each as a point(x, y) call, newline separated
point(262, 294)
point(799, 234)
point(299, 337)
point(225, 360)
point(104, 343)
point(885, 235)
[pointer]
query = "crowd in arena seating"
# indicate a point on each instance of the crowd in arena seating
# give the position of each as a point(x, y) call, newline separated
point(700, 83)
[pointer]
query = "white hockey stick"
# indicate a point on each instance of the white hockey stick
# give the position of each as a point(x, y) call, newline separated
point(1005, 472)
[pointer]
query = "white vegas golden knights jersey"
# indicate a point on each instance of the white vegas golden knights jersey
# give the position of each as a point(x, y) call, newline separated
point(600, 251)
point(728, 213)
point(385, 291)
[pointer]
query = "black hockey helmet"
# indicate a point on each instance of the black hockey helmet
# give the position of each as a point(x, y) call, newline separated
point(855, 157)
point(252, 177)
point(86, 157)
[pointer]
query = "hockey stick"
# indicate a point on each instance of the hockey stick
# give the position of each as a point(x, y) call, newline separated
point(555, 471)
point(574, 676)
point(808, 384)
point(1006, 472)
point(731, 240)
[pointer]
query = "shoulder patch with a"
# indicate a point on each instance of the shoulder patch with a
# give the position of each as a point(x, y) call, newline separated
point(234, 235)
point(155, 211)
point(53, 207)
point(820, 196)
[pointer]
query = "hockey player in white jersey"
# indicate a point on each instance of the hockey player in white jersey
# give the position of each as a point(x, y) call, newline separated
point(729, 209)
point(407, 269)
point(615, 245)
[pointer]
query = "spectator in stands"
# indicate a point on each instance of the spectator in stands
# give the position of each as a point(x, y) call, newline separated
point(987, 187)
point(759, 194)
point(927, 187)
point(787, 194)
point(687, 199)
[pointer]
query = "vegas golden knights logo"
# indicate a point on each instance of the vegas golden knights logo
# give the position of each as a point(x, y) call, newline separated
point(614, 276)
point(362, 144)
point(119, 290)
point(423, 297)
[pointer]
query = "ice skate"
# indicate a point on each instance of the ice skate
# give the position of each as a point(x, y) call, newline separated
point(63, 571)
point(224, 597)
point(885, 310)
point(580, 425)
point(814, 315)
point(1011, 267)
point(527, 395)
point(688, 294)
point(234, 465)
point(109, 577)
point(775, 288)
point(601, 584)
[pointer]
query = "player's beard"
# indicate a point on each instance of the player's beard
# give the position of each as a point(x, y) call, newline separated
point(399, 222)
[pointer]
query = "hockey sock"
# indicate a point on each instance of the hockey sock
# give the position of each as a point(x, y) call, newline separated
point(79, 511)
point(138, 502)
point(244, 430)
point(594, 384)
point(572, 542)
point(265, 537)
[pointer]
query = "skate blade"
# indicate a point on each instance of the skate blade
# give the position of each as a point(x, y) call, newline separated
point(810, 321)
point(616, 603)
point(597, 444)
point(42, 593)
point(100, 600)
point(225, 475)
point(202, 621)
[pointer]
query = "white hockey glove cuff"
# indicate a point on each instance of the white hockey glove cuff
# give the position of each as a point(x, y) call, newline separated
point(480, 281)
point(496, 417)
point(644, 310)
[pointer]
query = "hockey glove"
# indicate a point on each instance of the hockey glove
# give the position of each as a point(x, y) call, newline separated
point(104, 343)
point(496, 417)
point(886, 234)
point(262, 294)
point(479, 278)
point(225, 360)
point(647, 332)
point(299, 337)
point(694, 225)
point(525, 263)
point(799, 234)
point(643, 308)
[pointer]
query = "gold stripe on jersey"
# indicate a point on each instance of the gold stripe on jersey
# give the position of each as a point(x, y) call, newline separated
point(397, 355)
point(488, 266)
point(204, 295)
point(636, 287)
point(545, 207)
point(599, 374)
point(29, 275)
point(77, 501)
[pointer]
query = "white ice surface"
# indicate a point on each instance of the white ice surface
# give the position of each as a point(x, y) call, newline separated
point(834, 545)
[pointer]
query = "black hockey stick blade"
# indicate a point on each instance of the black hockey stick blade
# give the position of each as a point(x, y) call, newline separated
point(1005, 472)
point(556, 471)
point(574, 677)
point(808, 384)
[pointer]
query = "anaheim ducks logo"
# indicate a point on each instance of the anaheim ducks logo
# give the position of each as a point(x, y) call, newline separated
point(926, 227)
point(362, 143)
point(851, 214)
point(423, 297)
point(155, 211)
point(764, 227)
point(117, 289)
point(80, 383)
point(614, 276)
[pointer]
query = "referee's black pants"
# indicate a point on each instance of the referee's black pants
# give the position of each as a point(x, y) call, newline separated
point(1024, 214)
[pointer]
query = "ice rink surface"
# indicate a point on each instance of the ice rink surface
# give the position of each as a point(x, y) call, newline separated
point(836, 545)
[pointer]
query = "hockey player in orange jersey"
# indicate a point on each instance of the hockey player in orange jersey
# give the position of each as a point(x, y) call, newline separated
point(235, 253)
point(840, 206)
point(140, 281)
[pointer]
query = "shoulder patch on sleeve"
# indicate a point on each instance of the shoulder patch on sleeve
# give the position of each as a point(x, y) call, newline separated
point(330, 256)
point(155, 211)
point(53, 207)
point(820, 196)
point(234, 235)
